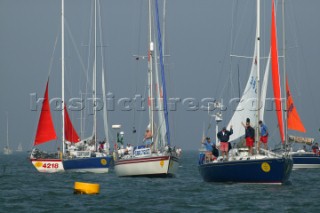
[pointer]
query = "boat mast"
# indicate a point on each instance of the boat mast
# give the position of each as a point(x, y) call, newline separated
point(258, 73)
point(150, 55)
point(284, 78)
point(62, 74)
point(164, 26)
point(7, 131)
point(94, 77)
point(95, 73)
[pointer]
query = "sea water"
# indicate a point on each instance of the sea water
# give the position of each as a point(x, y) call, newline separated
point(23, 189)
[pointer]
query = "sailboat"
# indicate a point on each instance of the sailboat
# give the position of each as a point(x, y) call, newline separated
point(43, 161)
point(71, 158)
point(241, 167)
point(7, 150)
point(159, 159)
point(302, 159)
point(19, 149)
point(90, 159)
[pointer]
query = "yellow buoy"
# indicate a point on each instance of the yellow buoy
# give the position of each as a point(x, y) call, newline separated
point(86, 188)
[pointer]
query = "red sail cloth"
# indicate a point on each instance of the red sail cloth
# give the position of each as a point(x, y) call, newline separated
point(45, 130)
point(275, 72)
point(293, 120)
point(70, 133)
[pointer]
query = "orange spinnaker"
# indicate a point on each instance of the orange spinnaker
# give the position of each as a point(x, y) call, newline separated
point(294, 122)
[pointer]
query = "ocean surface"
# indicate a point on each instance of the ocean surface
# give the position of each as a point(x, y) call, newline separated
point(23, 189)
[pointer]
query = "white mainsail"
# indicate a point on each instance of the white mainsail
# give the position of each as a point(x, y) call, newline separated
point(264, 88)
point(247, 107)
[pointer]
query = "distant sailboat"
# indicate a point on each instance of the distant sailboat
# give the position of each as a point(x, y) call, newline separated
point(7, 150)
point(19, 149)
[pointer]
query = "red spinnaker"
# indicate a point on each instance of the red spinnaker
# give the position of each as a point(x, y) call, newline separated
point(275, 72)
point(45, 130)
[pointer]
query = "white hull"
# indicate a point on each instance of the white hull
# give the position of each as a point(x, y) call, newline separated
point(48, 165)
point(147, 166)
point(306, 166)
point(7, 151)
point(97, 171)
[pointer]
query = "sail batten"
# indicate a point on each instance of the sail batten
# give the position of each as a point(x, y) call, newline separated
point(45, 130)
point(275, 73)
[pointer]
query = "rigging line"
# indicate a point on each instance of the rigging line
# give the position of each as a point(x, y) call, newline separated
point(90, 33)
point(76, 49)
point(138, 65)
point(304, 62)
point(52, 56)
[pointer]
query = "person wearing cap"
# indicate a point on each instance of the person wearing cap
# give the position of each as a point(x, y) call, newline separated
point(208, 145)
point(263, 134)
point(249, 135)
point(224, 136)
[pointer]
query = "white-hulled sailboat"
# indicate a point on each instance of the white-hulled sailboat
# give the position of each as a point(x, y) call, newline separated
point(159, 160)
point(43, 161)
point(241, 167)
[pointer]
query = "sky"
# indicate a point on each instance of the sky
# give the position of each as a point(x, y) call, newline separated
point(200, 37)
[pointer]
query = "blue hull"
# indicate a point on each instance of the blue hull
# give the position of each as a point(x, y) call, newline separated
point(272, 171)
point(93, 164)
point(306, 160)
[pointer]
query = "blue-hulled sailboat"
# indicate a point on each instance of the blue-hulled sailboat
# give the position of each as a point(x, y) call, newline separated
point(84, 156)
point(241, 167)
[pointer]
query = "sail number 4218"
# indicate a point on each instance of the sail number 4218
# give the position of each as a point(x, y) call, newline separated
point(50, 165)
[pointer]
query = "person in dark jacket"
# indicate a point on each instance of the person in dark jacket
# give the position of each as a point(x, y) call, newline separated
point(224, 136)
point(249, 135)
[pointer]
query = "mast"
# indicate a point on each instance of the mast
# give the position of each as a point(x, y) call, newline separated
point(258, 72)
point(104, 98)
point(284, 77)
point(62, 74)
point(164, 25)
point(94, 77)
point(150, 84)
point(7, 131)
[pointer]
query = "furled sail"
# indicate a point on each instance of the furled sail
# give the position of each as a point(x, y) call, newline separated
point(105, 113)
point(275, 73)
point(45, 130)
point(293, 119)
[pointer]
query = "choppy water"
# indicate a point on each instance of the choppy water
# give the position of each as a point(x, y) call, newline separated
point(23, 189)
